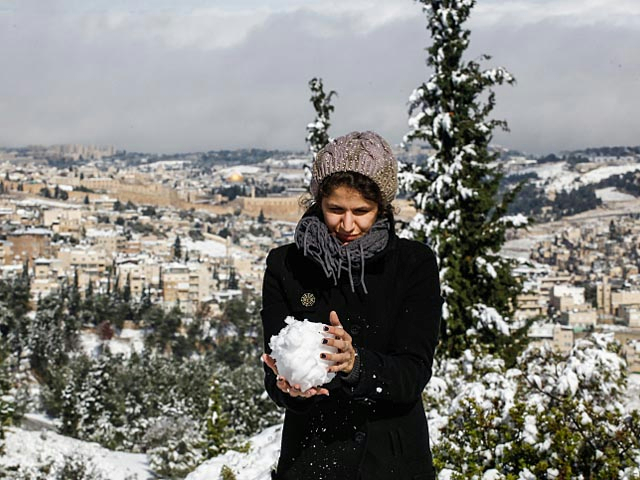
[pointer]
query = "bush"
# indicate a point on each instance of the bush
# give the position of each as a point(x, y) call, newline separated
point(159, 405)
point(70, 467)
point(178, 444)
point(227, 474)
point(554, 416)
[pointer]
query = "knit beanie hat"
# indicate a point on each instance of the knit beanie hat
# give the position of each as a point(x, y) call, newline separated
point(362, 152)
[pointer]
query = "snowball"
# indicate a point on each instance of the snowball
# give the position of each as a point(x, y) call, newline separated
point(296, 350)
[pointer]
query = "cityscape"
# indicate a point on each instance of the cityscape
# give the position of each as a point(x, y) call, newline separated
point(189, 232)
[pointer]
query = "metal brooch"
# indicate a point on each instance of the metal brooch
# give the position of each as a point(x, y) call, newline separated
point(308, 299)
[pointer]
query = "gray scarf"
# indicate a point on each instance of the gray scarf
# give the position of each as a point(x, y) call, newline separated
point(313, 238)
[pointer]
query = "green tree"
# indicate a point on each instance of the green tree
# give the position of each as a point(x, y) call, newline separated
point(177, 249)
point(149, 211)
point(163, 334)
point(232, 283)
point(456, 191)
point(51, 337)
point(238, 333)
point(216, 429)
point(75, 299)
point(553, 416)
point(317, 131)
point(126, 290)
point(7, 401)
point(14, 306)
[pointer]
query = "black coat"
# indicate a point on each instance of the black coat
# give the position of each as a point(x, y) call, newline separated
point(375, 429)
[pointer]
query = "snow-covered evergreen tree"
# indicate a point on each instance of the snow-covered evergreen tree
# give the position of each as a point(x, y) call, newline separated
point(552, 416)
point(14, 305)
point(7, 400)
point(50, 337)
point(178, 442)
point(216, 431)
point(245, 403)
point(318, 130)
point(65, 467)
point(456, 190)
point(177, 249)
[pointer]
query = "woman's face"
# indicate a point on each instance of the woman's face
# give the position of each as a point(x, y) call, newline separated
point(347, 214)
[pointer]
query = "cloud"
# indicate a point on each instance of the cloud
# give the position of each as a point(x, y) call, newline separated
point(571, 13)
point(204, 29)
point(196, 77)
point(574, 85)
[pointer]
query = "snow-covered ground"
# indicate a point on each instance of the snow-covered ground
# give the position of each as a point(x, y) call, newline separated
point(126, 343)
point(633, 394)
point(255, 465)
point(557, 176)
point(29, 448)
point(209, 248)
point(611, 194)
point(521, 248)
point(242, 169)
point(216, 249)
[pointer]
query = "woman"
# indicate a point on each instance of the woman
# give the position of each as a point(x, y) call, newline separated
point(379, 296)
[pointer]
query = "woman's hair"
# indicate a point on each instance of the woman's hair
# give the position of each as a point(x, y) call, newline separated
point(357, 181)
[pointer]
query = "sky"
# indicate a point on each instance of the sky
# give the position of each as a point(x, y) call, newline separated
point(196, 75)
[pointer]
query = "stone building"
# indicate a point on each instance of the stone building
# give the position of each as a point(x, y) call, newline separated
point(559, 337)
point(30, 243)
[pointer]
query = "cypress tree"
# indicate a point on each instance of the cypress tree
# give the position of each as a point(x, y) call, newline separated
point(217, 434)
point(177, 249)
point(317, 132)
point(126, 291)
point(460, 212)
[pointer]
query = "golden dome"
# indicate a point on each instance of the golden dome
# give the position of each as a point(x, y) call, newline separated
point(235, 177)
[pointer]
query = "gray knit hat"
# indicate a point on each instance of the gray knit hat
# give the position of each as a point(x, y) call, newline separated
point(363, 152)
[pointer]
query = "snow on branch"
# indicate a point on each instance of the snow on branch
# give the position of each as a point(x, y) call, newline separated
point(514, 221)
point(489, 318)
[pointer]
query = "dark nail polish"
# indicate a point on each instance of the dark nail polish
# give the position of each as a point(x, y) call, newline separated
point(322, 355)
point(325, 328)
point(325, 341)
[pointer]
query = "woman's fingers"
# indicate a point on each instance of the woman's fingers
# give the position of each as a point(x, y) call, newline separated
point(292, 390)
point(269, 362)
point(345, 357)
point(333, 319)
point(295, 391)
point(341, 345)
point(282, 384)
point(336, 327)
point(342, 361)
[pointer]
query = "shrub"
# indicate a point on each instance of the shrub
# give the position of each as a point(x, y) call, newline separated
point(553, 416)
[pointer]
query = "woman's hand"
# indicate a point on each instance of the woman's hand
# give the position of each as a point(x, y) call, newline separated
point(286, 387)
point(346, 356)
